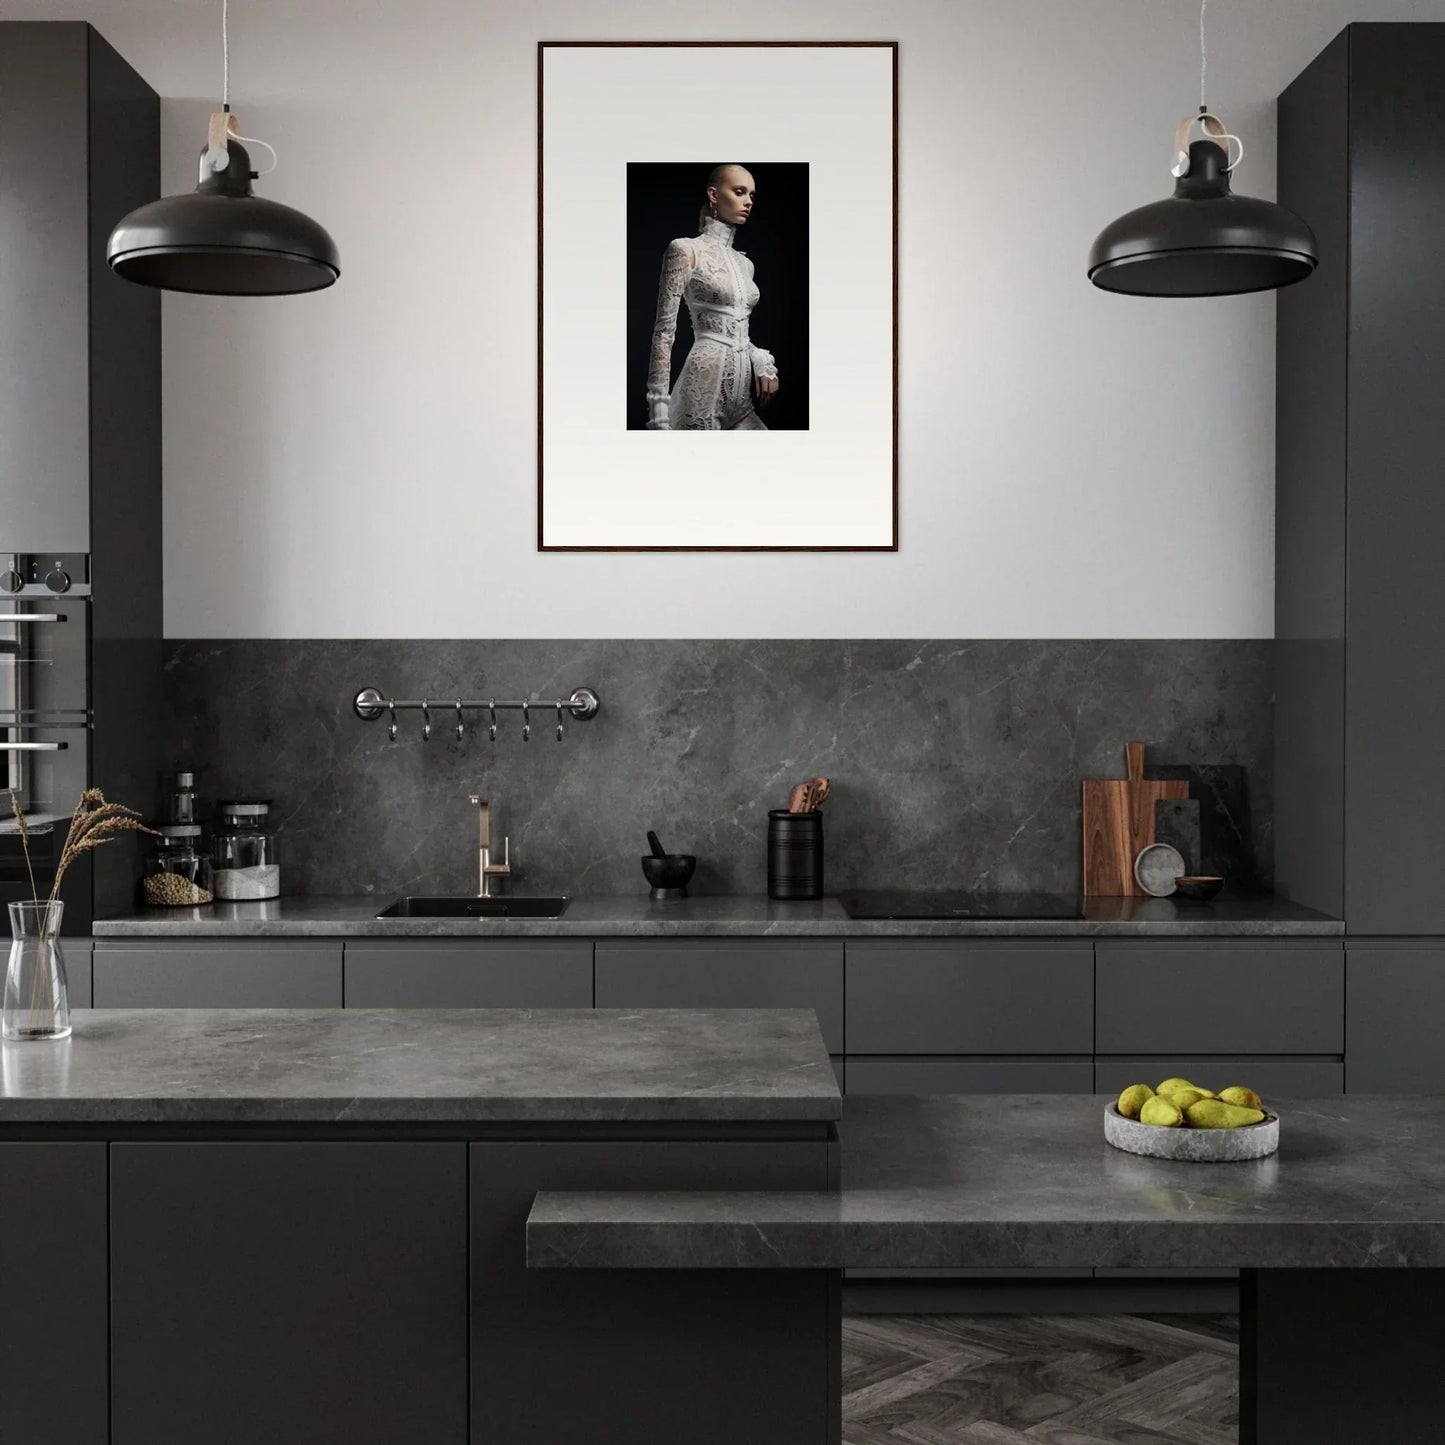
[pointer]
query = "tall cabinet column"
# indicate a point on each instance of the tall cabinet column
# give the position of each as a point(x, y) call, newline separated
point(1360, 529)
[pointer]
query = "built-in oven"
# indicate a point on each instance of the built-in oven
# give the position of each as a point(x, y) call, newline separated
point(45, 721)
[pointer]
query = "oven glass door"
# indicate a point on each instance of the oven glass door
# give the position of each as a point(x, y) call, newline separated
point(44, 743)
point(43, 666)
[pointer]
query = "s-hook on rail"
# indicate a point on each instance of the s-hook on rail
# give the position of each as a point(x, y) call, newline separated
point(369, 704)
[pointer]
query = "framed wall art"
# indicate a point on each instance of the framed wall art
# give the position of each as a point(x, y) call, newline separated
point(717, 252)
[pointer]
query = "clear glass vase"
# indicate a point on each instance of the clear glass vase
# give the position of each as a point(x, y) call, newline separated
point(37, 1001)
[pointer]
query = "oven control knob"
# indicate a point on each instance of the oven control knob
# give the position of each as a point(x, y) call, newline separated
point(11, 581)
point(58, 580)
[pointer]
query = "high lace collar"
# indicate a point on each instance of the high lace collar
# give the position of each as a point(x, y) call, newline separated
point(718, 231)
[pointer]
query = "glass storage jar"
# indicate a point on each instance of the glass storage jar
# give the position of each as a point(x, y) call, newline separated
point(243, 853)
point(179, 793)
point(178, 870)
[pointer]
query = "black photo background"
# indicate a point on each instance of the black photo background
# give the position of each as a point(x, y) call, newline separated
point(663, 200)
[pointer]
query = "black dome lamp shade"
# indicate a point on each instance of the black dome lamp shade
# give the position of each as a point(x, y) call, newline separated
point(1203, 240)
point(222, 239)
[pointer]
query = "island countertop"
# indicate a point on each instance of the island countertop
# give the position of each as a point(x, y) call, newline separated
point(720, 916)
point(423, 1066)
point(1028, 1181)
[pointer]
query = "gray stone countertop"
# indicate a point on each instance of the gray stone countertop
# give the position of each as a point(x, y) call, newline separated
point(1028, 1181)
point(747, 916)
point(446, 1066)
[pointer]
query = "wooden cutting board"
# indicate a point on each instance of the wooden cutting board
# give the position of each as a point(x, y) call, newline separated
point(1118, 822)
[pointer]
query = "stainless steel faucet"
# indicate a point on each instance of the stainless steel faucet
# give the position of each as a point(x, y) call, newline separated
point(487, 870)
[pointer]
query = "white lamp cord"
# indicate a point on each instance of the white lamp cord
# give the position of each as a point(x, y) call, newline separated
point(218, 159)
point(1203, 54)
point(1211, 125)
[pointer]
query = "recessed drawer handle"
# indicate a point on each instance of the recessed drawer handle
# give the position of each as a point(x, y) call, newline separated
point(33, 747)
point(27, 617)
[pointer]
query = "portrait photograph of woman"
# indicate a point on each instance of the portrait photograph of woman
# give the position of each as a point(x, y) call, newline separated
point(717, 296)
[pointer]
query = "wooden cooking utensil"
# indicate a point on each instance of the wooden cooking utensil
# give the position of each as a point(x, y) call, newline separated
point(1118, 822)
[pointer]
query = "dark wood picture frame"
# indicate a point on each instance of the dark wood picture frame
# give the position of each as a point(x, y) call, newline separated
point(542, 47)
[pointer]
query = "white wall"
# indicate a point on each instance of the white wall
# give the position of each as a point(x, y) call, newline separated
point(361, 463)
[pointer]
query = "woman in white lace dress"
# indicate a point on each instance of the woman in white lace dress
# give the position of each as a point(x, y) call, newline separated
point(724, 375)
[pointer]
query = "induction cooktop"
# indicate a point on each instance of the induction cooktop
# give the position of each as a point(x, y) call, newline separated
point(943, 905)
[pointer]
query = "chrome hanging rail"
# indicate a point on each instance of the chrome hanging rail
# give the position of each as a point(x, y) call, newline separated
point(370, 703)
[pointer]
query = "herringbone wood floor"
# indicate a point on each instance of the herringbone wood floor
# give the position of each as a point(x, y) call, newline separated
point(1040, 1380)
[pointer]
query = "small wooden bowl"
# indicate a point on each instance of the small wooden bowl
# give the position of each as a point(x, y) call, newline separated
point(1200, 886)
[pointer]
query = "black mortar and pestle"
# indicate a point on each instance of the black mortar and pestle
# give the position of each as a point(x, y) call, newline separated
point(667, 872)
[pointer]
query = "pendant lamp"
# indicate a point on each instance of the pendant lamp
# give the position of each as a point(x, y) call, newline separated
point(221, 239)
point(1203, 240)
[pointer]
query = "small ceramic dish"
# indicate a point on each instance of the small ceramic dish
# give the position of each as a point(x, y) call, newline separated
point(1198, 885)
point(1156, 869)
point(1192, 1146)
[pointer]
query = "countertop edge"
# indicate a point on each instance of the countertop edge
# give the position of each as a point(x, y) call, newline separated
point(709, 916)
point(862, 1230)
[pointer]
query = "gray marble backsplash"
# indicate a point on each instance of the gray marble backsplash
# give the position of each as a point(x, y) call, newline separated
point(954, 764)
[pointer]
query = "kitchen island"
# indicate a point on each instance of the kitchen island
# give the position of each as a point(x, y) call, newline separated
point(309, 1226)
point(1340, 1235)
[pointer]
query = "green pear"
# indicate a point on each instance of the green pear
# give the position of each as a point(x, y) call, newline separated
point(1160, 1111)
point(1133, 1099)
point(1245, 1098)
point(1216, 1114)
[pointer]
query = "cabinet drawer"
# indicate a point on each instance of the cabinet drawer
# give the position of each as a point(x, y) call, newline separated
point(53, 1241)
point(970, 1076)
point(1163, 998)
point(947, 997)
point(288, 1293)
point(482, 973)
point(701, 973)
point(77, 953)
point(1278, 1078)
point(199, 973)
point(1396, 1002)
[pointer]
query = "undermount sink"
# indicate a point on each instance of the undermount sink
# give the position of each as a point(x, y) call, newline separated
point(474, 907)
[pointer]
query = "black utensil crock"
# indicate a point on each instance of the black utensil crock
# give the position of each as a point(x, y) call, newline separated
point(795, 854)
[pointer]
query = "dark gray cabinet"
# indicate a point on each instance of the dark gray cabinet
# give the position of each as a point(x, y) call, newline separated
point(208, 973)
point(80, 425)
point(708, 973)
point(77, 953)
point(1360, 431)
point(1298, 1078)
point(53, 1328)
point(80, 397)
point(1396, 1000)
point(956, 996)
point(292, 1293)
point(497, 973)
point(44, 306)
point(537, 1379)
point(970, 1076)
point(1203, 997)
point(469, 973)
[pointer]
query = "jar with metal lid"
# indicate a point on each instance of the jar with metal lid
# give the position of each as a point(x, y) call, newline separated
point(243, 852)
point(179, 796)
point(178, 870)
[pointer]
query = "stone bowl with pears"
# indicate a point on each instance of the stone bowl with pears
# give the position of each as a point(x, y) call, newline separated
point(1185, 1121)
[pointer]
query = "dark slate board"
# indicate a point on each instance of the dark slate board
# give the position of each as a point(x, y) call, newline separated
point(1225, 837)
point(1176, 822)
